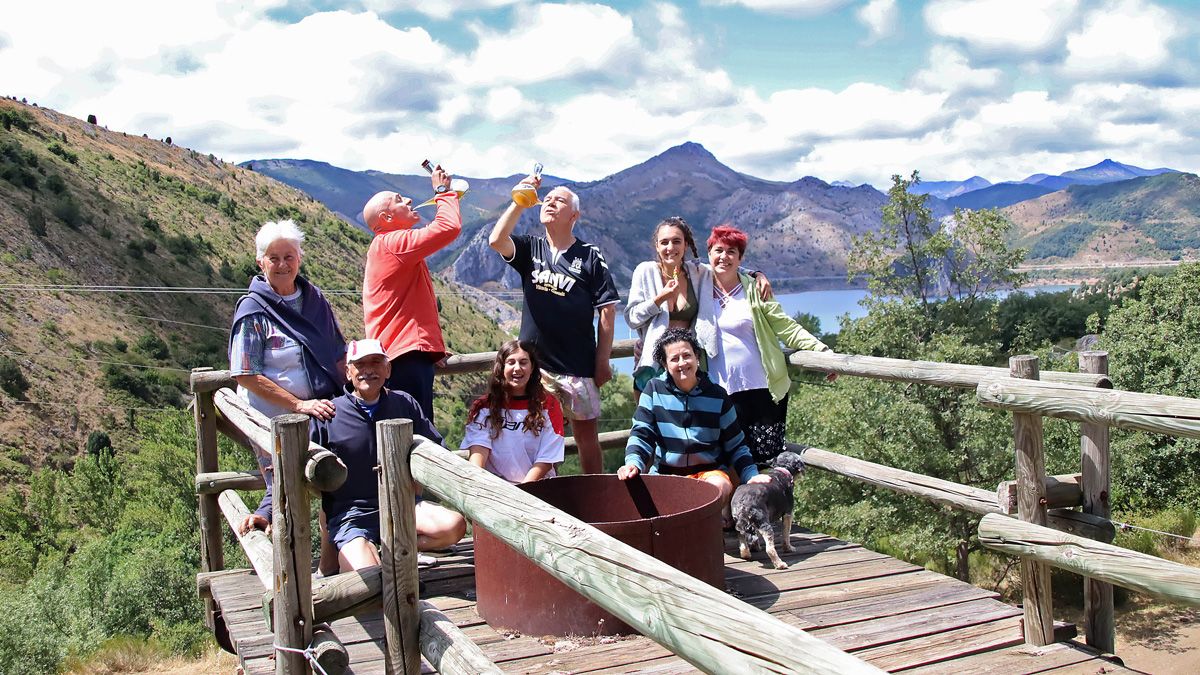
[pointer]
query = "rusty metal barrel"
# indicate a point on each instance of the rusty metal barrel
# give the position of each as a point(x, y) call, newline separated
point(673, 518)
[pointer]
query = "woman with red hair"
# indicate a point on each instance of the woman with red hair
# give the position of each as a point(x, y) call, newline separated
point(746, 358)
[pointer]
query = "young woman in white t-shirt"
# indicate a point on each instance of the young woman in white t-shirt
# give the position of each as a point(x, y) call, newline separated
point(515, 430)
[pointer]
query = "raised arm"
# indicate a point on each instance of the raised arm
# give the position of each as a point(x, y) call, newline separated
point(500, 238)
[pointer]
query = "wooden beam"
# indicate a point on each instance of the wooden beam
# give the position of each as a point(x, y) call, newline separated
point(291, 538)
point(398, 547)
point(448, 649)
point(1061, 492)
point(204, 580)
point(954, 375)
point(1098, 613)
point(703, 625)
point(1031, 508)
point(212, 551)
point(1113, 564)
point(329, 651)
point(323, 470)
point(936, 490)
point(209, 380)
point(255, 543)
point(608, 439)
point(1171, 415)
point(1082, 525)
point(216, 482)
point(482, 361)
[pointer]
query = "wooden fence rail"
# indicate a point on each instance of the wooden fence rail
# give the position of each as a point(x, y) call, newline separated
point(1172, 415)
point(701, 624)
point(936, 373)
point(1112, 564)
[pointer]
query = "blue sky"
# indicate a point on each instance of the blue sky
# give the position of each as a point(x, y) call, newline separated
point(840, 89)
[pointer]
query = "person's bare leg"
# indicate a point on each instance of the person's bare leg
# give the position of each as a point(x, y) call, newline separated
point(438, 527)
point(588, 442)
point(329, 563)
point(357, 554)
point(726, 488)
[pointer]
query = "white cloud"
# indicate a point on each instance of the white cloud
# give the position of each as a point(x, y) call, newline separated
point(949, 70)
point(1122, 38)
point(1000, 27)
point(438, 9)
point(798, 8)
point(552, 42)
point(880, 18)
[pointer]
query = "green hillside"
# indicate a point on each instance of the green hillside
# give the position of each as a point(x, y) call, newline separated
point(1155, 217)
point(81, 206)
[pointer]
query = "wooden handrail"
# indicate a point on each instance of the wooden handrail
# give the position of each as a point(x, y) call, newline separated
point(1171, 415)
point(955, 375)
point(1113, 564)
point(699, 623)
point(323, 470)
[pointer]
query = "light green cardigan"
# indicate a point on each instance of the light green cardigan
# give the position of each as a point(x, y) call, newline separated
point(772, 325)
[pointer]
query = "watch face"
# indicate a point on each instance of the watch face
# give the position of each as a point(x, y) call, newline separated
point(442, 189)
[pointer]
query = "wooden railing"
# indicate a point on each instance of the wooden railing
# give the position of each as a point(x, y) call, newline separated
point(704, 626)
point(1040, 501)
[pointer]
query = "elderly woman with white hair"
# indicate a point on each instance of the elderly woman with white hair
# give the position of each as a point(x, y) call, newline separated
point(286, 350)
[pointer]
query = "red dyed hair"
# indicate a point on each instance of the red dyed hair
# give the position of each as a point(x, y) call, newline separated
point(729, 236)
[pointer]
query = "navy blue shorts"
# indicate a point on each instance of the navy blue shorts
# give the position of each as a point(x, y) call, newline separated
point(353, 523)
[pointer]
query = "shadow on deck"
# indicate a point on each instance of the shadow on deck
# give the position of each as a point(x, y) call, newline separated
point(894, 615)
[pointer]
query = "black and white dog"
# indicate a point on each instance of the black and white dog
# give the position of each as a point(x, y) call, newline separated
point(757, 505)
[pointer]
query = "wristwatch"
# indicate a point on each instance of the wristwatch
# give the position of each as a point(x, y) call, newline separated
point(441, 189)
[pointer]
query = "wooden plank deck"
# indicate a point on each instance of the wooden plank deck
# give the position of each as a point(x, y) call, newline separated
point(895, 615)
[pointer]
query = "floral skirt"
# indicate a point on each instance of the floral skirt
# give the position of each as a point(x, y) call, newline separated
point(763, 421)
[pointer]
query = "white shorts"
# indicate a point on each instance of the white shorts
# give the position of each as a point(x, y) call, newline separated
point(580, 397)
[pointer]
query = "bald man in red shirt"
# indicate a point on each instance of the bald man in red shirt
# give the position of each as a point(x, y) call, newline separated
point(399, 305)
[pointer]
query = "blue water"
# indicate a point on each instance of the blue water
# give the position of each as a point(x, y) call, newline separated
point(828, 306)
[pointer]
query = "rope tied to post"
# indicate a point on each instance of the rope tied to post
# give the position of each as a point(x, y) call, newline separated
point(308, 653)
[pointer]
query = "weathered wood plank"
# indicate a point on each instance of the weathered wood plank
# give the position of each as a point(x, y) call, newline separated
point(1016, 661)
point(1031, 508)
point(694, 620)
point(1098, 612)
point(936, 490)
point(292, 543)
point(1113, 564)
point(1171, 415)
point(917, 624)
point(323, 470)
point(1081, 524)
point(1061, 492)
point(943, 646)
point(398, 547)
point(255, 543)
point(212, 552)
point(924, 372)
point(208, 380)
point(216, 482)
point(447, 648)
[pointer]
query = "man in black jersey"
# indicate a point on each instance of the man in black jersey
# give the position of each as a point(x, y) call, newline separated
point(565, 282)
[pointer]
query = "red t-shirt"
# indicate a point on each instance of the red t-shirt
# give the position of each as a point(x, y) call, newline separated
point(399, 305)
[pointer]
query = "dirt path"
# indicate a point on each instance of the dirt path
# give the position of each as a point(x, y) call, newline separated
point(1159, 639)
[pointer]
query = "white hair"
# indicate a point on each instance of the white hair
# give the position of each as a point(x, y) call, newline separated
point(574, 198)
point(273, 231)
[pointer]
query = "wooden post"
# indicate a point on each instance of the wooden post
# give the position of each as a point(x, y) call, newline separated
point(398, 547)
point(292, 542)
point(1099, 624)
point(212, 553)
point(1031, 508)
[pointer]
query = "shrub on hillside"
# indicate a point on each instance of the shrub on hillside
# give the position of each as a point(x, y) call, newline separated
point(55, 184)
point(98, 442)
point(12, 380)
point(64, 153)
point(153, 346)
point(37, 222)
point(66, 209)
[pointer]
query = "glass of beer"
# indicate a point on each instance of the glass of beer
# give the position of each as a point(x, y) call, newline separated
point(524, 194)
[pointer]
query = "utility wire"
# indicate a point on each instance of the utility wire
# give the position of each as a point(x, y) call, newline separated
point(75, 358)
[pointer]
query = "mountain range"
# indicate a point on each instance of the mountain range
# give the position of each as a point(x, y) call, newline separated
point(800, 231)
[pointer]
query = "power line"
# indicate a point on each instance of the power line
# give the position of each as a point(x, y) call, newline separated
point(84, 406)
point(75, 358)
